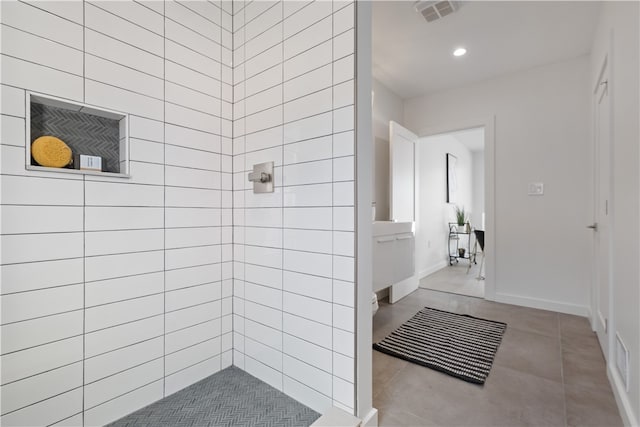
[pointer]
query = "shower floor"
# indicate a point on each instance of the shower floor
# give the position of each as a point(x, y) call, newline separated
point(230, 397)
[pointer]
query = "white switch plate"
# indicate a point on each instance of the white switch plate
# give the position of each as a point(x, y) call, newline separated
point(536, 188)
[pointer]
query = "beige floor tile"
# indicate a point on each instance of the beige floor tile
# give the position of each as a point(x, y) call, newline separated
point(587, 406)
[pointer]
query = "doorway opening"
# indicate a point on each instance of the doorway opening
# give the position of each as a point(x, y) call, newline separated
point(450, 177)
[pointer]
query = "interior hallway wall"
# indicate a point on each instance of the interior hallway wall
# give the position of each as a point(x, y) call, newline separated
point(294, 317)
point(387, 106)
point(116, 291)
point(541, 135)
point(434, 213)
point(477, 200)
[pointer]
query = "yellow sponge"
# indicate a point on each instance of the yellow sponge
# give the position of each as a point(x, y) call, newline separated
point(51, 152)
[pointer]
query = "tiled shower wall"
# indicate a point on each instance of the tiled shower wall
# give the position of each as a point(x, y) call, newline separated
point(117, 292)
point(294, 248)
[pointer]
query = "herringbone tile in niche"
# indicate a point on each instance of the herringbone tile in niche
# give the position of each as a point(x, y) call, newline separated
point(84, 133)
point(229, 398)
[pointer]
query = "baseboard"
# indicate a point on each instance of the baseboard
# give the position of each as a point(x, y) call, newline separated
point(371, 419)
point(622, 398)
point(543, 304)
point(432, 269)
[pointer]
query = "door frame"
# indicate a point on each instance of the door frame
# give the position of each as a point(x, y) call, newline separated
point(604, 70)
point(488, 123)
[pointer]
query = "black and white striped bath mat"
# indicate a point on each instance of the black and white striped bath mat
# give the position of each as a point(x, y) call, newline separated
point(460, 345)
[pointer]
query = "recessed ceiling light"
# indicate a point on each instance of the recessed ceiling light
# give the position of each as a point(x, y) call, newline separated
point(459, 51)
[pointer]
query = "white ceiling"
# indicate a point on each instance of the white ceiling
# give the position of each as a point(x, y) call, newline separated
point(413, 57)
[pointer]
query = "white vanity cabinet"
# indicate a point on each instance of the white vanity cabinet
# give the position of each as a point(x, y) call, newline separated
point(393, 253)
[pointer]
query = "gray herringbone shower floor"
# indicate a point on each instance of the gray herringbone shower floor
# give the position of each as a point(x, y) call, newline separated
point(229, 398)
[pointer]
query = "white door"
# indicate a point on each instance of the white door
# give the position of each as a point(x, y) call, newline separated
point(602, 242)
point(402, 149)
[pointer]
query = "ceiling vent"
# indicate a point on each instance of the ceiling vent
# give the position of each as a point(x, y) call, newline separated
point(434, 10)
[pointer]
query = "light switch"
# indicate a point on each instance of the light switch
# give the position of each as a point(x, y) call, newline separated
point(536, 189)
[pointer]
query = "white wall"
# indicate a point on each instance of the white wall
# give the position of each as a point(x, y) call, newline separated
point(541, 134)
point(387, 106)
point(620, 20)
point(294, 317)
point(434, 213)
point(477, 192)
point(117, 292)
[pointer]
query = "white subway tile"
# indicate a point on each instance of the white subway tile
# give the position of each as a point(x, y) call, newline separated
point(308, 38)
point(308, 173)
point(12, 103)
point(117, 194)
point(179, 54)
point(176, 279)
point(305, 284)
point(266, 237)
point(113, 290)
point(311, 127)
point(140, 127)
point(267, 257)
point(308, 308)
point(41, 23)
point(48, 411)
point(123, 336)
point(192, 355)
point(308, 61)
point(268, 39)
point(190, 257)
point(184, 338)
point(309, 263)
point(343, 144)
point(29, 362)
point(344, 367)
point(39, 275)
point(343, 94)
point(41, 219)
point(254, 10)
point(263, 295)
point(20, 44)
point(13, 131)
point(73, 11)
point(306, 151)
point(192, 217)
point(263, 100)
point(308, 330)
point(263, 334)
point(38, 78)
point(121, 218)
point(291, 7)
point(123, 405)
point(116, 385)
point(192, 138)
point(312, 81)
point(18, 336)
point(185, 237)
point(193, 99)
point(263, 354)
point(121, 29)
point(134, 12)
point(343, 392)
point(343, 193)
point(195, 178)
point(309, 105)
point(306, 374)
point(187, 297)
point(264, 217)
point(263, 372)
point(264, 315)
point(308, 240)
point(312, 354)
point(308, 195)
point(182, 116)
point(34, 389)
point(190, 375)
point(105, 316)
point(122, 53)
point(114, 242)
point(264, 275)
point(343, 317)
point(343, 69)
point(208, 10)
point(263, 61)
point(264, 80)
point(264, 139)
point(180, 13)
point(123, 100)
point(19, 248)
point(264, 21)
point(306, 395)
point(344, 44)
point(111, 363)
point(308, 218)
point(110, 266)
point(343, 293)
point(306, 17)
point(186, 157)
point(264, 119)
point(191, 316)
point(344, 19)
point(344, 342)
point(343, 243)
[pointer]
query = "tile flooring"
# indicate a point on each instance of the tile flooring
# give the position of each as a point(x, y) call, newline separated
point(549, 371)
point(455, 279)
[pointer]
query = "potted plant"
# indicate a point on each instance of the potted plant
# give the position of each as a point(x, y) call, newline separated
point(461, 252)
point(461, 219)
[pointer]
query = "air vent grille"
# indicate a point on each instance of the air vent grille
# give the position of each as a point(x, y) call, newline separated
point(434, 10)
